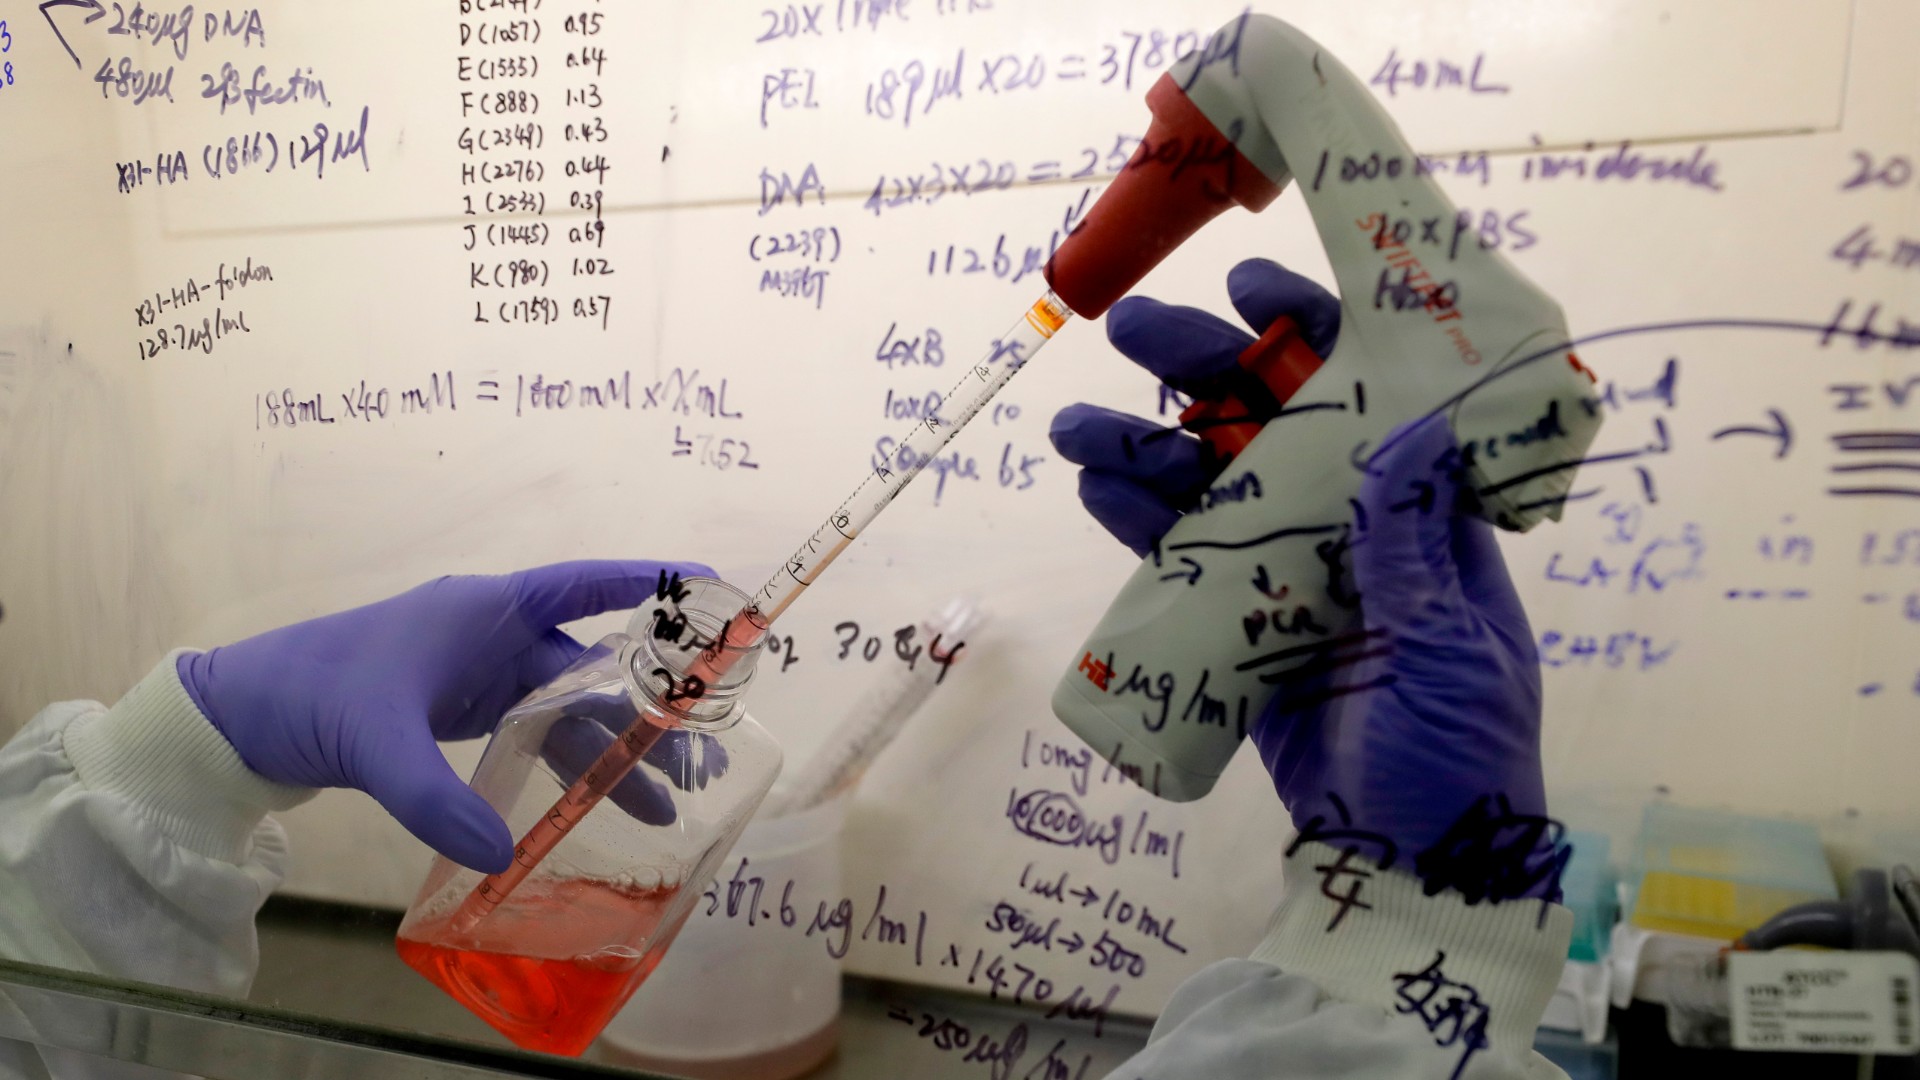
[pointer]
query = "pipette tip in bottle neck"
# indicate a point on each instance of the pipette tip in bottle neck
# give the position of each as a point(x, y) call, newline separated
point(697, 662)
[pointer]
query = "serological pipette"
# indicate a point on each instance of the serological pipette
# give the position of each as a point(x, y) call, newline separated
point(975, 388)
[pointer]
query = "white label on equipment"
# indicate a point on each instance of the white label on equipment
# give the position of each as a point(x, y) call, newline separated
point(1826, 1002)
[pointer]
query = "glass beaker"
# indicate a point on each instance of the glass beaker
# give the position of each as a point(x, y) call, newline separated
point(652, 723)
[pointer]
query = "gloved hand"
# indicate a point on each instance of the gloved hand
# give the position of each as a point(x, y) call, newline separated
point(575, 741)
point(358, 698)
point(1428, 737)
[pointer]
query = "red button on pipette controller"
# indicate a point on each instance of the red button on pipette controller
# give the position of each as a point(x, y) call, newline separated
point(1272, 370)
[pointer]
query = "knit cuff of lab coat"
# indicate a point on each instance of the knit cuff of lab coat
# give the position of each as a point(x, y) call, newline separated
point(156, 750)
point(1374, 937)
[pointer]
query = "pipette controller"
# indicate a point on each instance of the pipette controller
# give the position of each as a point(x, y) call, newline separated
point(1425, 328)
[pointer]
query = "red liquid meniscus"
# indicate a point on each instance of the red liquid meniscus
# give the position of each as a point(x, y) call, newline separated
point(525, 972)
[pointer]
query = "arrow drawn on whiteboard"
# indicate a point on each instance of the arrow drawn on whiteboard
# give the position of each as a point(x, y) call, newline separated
point(1780, 431)
point(93, 5)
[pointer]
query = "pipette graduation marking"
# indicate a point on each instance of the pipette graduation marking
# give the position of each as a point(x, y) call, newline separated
point(921, 445)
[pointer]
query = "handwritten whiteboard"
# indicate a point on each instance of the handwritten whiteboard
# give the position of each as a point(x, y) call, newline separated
point(308, 303)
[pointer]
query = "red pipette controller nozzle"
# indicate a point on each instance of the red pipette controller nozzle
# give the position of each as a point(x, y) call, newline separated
point(1272, 369)
point(1181, 176)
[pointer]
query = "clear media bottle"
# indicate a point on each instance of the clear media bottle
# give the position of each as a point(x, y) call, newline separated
point(627, 778)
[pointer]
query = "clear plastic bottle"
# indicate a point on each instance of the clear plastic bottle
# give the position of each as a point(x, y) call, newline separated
point(627, 778)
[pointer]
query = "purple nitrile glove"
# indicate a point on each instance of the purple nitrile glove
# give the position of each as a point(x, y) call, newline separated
point(1139, 476)
point(575, 741)
point(1441, 758)
point(358, 698)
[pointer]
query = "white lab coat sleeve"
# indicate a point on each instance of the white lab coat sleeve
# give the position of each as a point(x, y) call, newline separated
point(134, 843)
point(1396, 985)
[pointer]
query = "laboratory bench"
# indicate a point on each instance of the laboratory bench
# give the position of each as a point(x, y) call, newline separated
point(340, 962)
point(333, 999)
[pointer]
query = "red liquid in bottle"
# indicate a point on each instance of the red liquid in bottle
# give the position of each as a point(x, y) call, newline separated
point(523, 970)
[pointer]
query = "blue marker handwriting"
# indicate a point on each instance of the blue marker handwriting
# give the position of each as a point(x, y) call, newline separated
point(799, 283)
point(914, 89)
point(7, 76)
point(260, 89)
point(999, 259)
point(1864, 245)
point(1114, 906)
point(306, 151)
point(964, 177)
point(812, 20)
point(898, 350)
point(1660, 563)
point(899, 645)
point(173, 29)
point(817, 245)
point(1054, 817)
point(1442, 74)
point(1628, 649)
point(1860, 395)
point(778, 188)
point(1892, 173)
